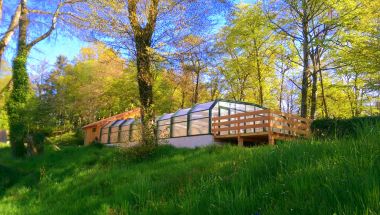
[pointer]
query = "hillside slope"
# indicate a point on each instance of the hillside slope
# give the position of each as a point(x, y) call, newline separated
point(309, 177)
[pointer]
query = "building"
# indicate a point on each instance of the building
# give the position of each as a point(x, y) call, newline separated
point(208, 123)
point(92, 130)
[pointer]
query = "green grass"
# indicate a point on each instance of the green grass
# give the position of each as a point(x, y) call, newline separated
point(305, 177)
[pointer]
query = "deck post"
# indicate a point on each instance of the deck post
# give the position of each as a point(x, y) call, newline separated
point(271, 140)
point(240, 141)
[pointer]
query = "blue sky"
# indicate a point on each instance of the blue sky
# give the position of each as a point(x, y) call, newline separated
point(59, 44)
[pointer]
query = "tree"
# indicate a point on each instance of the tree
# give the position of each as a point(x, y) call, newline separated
point(294, 18)
point(146, 29)
point(21, 93)
point(250, 46)
point(7, 35)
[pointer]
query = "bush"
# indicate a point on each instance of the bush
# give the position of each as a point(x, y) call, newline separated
point(137, 153)
point(67, 139)
point(339, 128)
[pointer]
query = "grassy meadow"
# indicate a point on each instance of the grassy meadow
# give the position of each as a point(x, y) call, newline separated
point(336, 176)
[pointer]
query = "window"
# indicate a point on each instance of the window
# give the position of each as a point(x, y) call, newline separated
point(164, 128)
point(125, 131)
point(179, 129)
point(93, 130)
point(199, 126)
point(180, 123)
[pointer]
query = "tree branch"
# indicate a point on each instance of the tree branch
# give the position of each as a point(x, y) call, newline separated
point(51, 29)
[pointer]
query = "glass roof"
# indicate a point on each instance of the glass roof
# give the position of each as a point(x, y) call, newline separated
point(182, 112)
point(166, 116)
point(108, 124)
point(128, 122)
point(118, 123)
point(203, 106)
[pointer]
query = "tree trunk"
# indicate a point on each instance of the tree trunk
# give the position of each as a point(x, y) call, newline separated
point(10, 30)
point(145, 83)
point(259, 75)
point(142, 39)
point(323, 94)
point(196, 91)
point(305, 73)
point(313, 104)
point(281, 87)
point(20, 94)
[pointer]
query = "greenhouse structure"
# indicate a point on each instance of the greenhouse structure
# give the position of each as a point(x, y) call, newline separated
point(212, 122)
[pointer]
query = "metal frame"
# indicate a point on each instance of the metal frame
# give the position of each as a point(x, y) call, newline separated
point(189, 120)
point(109, 131)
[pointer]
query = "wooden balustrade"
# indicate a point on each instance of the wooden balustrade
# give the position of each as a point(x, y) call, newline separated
point(272, 123)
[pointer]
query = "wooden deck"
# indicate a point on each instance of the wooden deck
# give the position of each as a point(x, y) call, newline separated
point(260, 126)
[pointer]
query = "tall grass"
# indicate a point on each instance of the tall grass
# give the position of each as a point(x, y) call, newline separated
point(340, 176)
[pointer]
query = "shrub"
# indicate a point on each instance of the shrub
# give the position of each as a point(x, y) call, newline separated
point(137, 153)
point(67, 139)
point(342, 127)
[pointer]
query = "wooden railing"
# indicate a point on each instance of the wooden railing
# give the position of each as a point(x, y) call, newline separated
point(261, 122)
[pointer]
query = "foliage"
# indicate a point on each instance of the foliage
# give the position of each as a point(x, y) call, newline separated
point(339, 176)
point(4, 92)
point(17, 104)
point(250, 48)
point(138, 153)
point(66, 139)
point(332, 128)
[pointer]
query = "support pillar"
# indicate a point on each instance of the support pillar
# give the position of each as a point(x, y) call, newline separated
point(240, 142)
point(271, 140)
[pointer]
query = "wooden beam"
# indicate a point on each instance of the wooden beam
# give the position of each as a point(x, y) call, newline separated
point(240, 141)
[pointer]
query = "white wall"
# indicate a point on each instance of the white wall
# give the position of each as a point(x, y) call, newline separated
point(190, 141)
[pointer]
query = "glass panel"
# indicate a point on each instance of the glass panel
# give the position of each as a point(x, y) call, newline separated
point(164, 122)
point(180, 129)
point(114, 136)
point(224, 104)
point(128, 122)
point(125, 127)
point(240, 107)
point(108, 124)
point(135, 132)
point(215, 110)
point(124, 136)
point(104, 138)
point(118, 123)
point(180, 118)
point(224, 111)
point(165, 116)
point(204, 106)
point(199, 126)
point(182, 112)
point(250, 108)
point(164, 131)
point(201, 114)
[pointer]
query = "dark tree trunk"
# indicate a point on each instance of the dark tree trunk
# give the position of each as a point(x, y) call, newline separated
point(145, 83)
point(323, 95)
point(313, 104)
point(196, 91)
point(305, 73)
point(261, 91)
point(259, 75)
